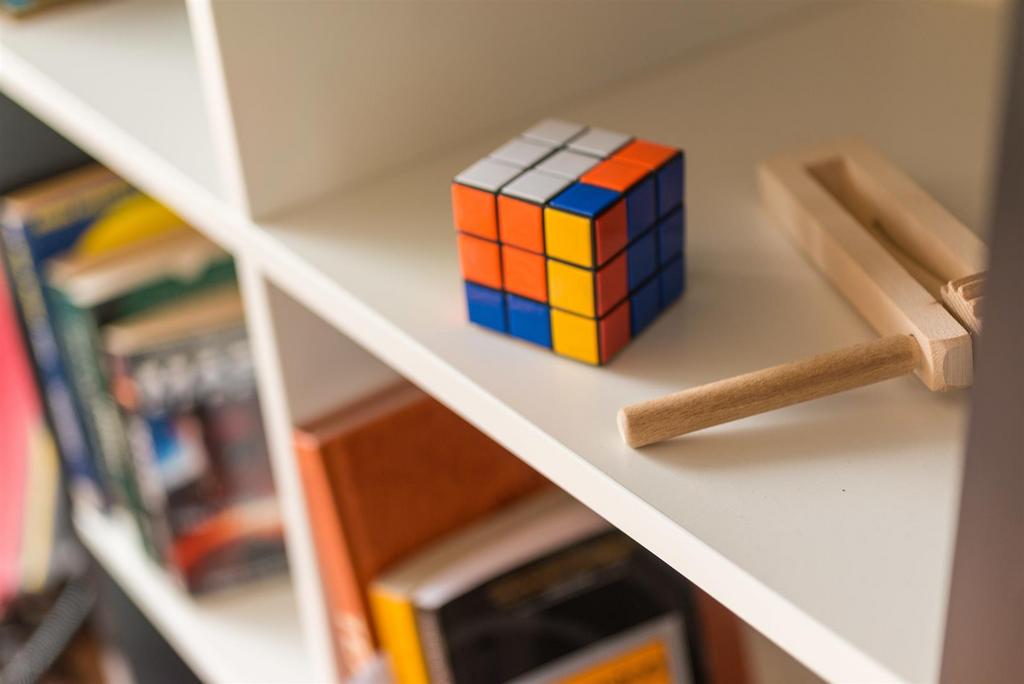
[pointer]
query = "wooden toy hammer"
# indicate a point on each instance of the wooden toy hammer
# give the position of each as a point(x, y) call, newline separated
point(905, 263)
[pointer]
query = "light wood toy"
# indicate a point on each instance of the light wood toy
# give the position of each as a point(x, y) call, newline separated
point(903, 261)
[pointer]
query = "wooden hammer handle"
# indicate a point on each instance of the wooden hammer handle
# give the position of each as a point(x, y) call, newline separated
point(765, 390)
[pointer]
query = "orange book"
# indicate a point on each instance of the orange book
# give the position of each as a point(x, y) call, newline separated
point(383, 478)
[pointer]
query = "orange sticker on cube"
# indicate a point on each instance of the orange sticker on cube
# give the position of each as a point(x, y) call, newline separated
point(615, 174)
point(521, 223)
point(524, 273)
point(474, 191)
point(520, 207)
point(645, 153)
point(474, 211)
point(480, 260)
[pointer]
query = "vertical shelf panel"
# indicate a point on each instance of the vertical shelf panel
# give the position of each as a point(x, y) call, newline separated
point(321, 367)
point(278, 425)
point(304, 368)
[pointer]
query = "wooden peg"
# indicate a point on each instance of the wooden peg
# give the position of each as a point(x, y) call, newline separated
point(769, 389)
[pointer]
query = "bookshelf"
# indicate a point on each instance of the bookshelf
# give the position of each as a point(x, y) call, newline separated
point(829, 527)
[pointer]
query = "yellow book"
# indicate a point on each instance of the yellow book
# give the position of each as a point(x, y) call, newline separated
point(458, 563)
point(395, 617)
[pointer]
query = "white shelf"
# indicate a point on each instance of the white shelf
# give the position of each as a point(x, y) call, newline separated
point(250, 634)
point(828, 526)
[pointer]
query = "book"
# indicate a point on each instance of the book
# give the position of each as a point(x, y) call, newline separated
point(91, 289)
point(23, 432)
point(383, 478)
point(182, 375)
point(545, 591)
point(37, 223)
point(32, 540)
point(650, 653)
point(85, 211)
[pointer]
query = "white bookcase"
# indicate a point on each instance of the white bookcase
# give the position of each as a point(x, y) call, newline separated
point(315, 141)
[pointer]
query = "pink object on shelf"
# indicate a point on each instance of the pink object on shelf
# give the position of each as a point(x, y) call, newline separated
point(21, 417)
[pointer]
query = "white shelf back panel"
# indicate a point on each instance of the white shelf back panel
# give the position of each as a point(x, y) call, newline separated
point(322, 368)
point(323, 94)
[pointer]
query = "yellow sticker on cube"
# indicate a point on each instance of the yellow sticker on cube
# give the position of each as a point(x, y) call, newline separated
point(568, 237)
point(574, 336)
point(571, 288)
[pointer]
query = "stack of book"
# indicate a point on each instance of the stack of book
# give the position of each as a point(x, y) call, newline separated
point(137, 335)
point(384, 477)
point(543, 592)
point(445, 552)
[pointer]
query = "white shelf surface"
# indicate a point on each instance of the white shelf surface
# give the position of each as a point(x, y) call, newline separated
point(250, 634)
point(827, 526)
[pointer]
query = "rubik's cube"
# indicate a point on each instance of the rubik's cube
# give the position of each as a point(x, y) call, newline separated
point(572, 237)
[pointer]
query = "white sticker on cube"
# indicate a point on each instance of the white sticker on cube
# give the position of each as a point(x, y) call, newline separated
point(568, 164)
point(599, 142)
point(534, 186)
point(522, 153)
point(554, 131)
point(488, 174)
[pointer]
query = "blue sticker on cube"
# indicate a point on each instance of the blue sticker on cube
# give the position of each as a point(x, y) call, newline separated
point(671, 182)
point(529, 320)
point(645, 305)
point(641, 207)
point(671, 231)
point(587, 200)
point(486, 307)
point(642, 259)
point(672, 281)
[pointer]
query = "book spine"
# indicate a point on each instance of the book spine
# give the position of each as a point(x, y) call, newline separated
point(396, 623)
point(150, 513)
point(717, 641)
point(79, 341)
point(435, 656)
point(101, 416)
point(346, 629)
point(86, 481)
point(18, 417)
point(75, 335)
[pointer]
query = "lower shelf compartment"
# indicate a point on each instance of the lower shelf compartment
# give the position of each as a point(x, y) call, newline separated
point(250, 634)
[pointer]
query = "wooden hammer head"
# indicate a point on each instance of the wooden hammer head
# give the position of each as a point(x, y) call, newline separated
point(883, 242)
